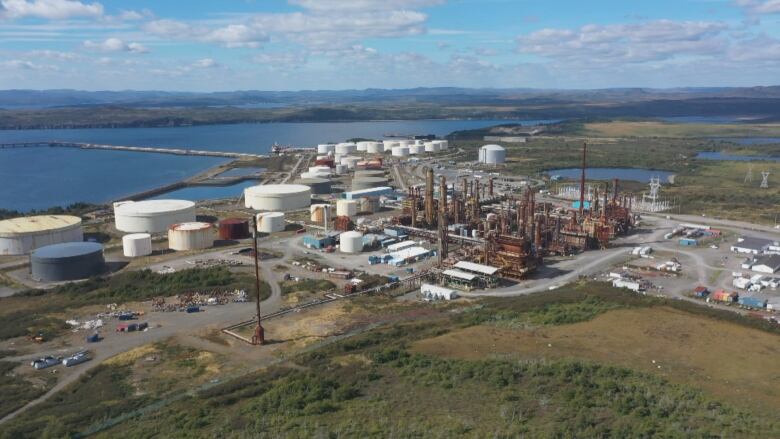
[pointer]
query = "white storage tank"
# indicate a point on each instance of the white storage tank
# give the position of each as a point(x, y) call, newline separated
point(443, 144)
point(432, 147)
point(389, 144)
point(362, 146)
point(152, 216)
point(345, 148)
point(137, 244)
point(341, 169)
point(190, 236)
point(419, 142)
point(270, 222)
point(400, 151)
point(404, 142)
point(375, 148)
point(277, 197)
point(346, 208)
point(416, 149)
point(351, 242)
point(492, 154)
point(350, 161)
point(19, 236)
point(325, 148)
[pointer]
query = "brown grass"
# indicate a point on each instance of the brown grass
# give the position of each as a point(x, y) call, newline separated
point(726, 360)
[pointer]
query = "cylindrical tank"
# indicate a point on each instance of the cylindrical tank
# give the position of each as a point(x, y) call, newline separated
point(277, 197)
point(375, 148)
point(404, 142)
point(401, 151)
point(341, 169)
point(431, 147)
point(419, 142)
point(346, 208)
point(492, 154)
point(270, 222)
point(137, 244)
point(350, 161)
point(369, 173)
point(362, 146)
point(351, 242)
point(317, 185)
point(233, 228)
point(416, 149)
point(345, 148)
point(325, 148)
point(317, 212)
point(443, 144)
point(368, 183)
point(19, 236)
point(320, 169)
point(389, 144)
point(152, 216)
point(67, 261)
point(190, 236)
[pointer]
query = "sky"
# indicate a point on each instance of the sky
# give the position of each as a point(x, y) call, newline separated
point(208, 45)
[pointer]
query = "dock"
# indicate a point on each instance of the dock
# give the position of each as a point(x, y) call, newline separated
point(147, 149)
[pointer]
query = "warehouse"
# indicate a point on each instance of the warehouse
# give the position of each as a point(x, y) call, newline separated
point(435, 292)
point(320, 242)
point(769, 264)
point(408, 255)
point(67, 261)
point(750, 245)
point(19, 236)
point(152, 216)
point(460, 279)
point(277, 197)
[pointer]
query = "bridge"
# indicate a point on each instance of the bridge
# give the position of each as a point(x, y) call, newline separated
point(154, 150)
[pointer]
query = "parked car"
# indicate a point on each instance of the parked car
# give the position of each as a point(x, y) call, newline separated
point(76, 358)
point(47, 361)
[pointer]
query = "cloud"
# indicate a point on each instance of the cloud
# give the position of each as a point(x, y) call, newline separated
point(26, 65)
point(759, 7)
point(115, 45)
point(363, 5)
point(236, 35)
point(52, 54)
point(205, 63)
point(48, 9)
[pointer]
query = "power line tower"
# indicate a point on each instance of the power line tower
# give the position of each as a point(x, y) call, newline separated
point(764, 179)
point(749, 175)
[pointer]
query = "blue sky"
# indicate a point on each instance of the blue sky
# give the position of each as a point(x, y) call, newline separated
point(207, 45)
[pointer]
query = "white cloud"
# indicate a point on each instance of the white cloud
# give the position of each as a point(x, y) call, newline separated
point(52, 54)
point(204, 63)
point(759, 6)
point(363, 5)
point(169, 28)
point(26, 65)
point(49, 9)
point(236, 35)
point(115, 45)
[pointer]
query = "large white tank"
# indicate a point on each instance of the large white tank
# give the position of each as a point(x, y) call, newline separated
point(401, 151)
point(431, 147)
point(443, 144)
point(375, 148)
point(362, 146)
point(389, 144)
point(320, 170)
point(277, 197)
point(416, 149)
point(492, 154)
point(351, 242)
point(346, 208)
point(152, 216)
point(419, 142)
point(325, 148)
point(270, 222)
point(404, 142)
point(345, 148)
point(19, 236)
point(350, 161)
point(190, 236)
point(137, 244)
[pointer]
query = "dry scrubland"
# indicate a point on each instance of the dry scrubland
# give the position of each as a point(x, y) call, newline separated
point(664, 129)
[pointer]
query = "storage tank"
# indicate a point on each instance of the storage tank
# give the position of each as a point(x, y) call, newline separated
point(369, 173)
point(190, 236)
point(152, 216)
point(346, 208)
point(443, 144)
point(341, 169)
point(325, 148)
point(317, 212)
point(432, 147)
point(416, 149)
point(67, 261)
point(19, 236)
point(270, 222)
point(351, 242)
point(277, 197)
point(389, 144)
point(137, 244)
point(400, 151)
point(320, 169)
point(362, 146)
point(350, 161)
point(375, 148)
point(345, 148)
point(234, 228)
point(317, 185)
point(368, 183)
point(492, 154)
point(404, 142)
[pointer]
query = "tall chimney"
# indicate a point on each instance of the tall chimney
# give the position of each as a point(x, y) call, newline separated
point(582, 177)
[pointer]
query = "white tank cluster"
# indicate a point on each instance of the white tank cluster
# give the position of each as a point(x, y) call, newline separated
point(277, 197)
point(417, 149)
point(346, 208)
point(345, 148)
point(389, 144)
point(443, 144)
point(400, 151)
point(137, 244)
point(492, 154)
point(270, 222)
point(375, 148)
point(326, 148)
point(152, 216)
point(190, 236)
point(351, 242)
point(432, 147)
point(404, 142)
point(19, 236)
point(362, 146)
point(350, 161)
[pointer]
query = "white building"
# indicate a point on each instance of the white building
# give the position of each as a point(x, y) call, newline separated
point(769, 264)
point(751, 246)
point(435, 292)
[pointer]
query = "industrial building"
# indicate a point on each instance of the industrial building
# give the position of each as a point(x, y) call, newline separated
point(233, 228)
point(492, 155)
point(435, 292)
point(769, 264)
point(152, 216)
point(320, 242)
point(67, 261)
point(407, 255)
point(270, 222)
point(277, 197)
point(137, 244)
point(750, 245)
point(190, 236)
point(20, 236)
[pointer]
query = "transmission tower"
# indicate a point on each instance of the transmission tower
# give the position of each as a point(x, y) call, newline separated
point(749, 175)
point(765, 179)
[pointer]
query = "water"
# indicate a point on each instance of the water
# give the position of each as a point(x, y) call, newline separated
point(38, 178)
point(749, 140)
point(739, 158)
point(197, 193)
point(628, 174)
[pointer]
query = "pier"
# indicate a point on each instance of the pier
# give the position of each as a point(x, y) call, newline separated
point(147, 149)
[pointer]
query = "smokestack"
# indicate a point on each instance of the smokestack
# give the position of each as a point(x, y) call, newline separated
point(429, 213)
point(490, 187)
point(606, 194)
point(615, 190)
point(443, 195)
point(582, 177)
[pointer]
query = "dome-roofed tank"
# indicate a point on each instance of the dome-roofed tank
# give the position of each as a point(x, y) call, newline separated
point(277, 197)
point(492, 154)
point(19, 236)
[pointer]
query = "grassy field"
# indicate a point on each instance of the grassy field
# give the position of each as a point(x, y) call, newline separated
point(665, 129)
point(544, 365)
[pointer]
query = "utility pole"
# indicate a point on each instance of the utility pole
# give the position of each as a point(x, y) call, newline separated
point(259, 337)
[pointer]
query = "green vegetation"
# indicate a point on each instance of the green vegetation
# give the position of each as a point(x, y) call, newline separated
point(309, 285)
point(18, 390)
point(667, 129)
point(29, 312)
point(77, 209)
